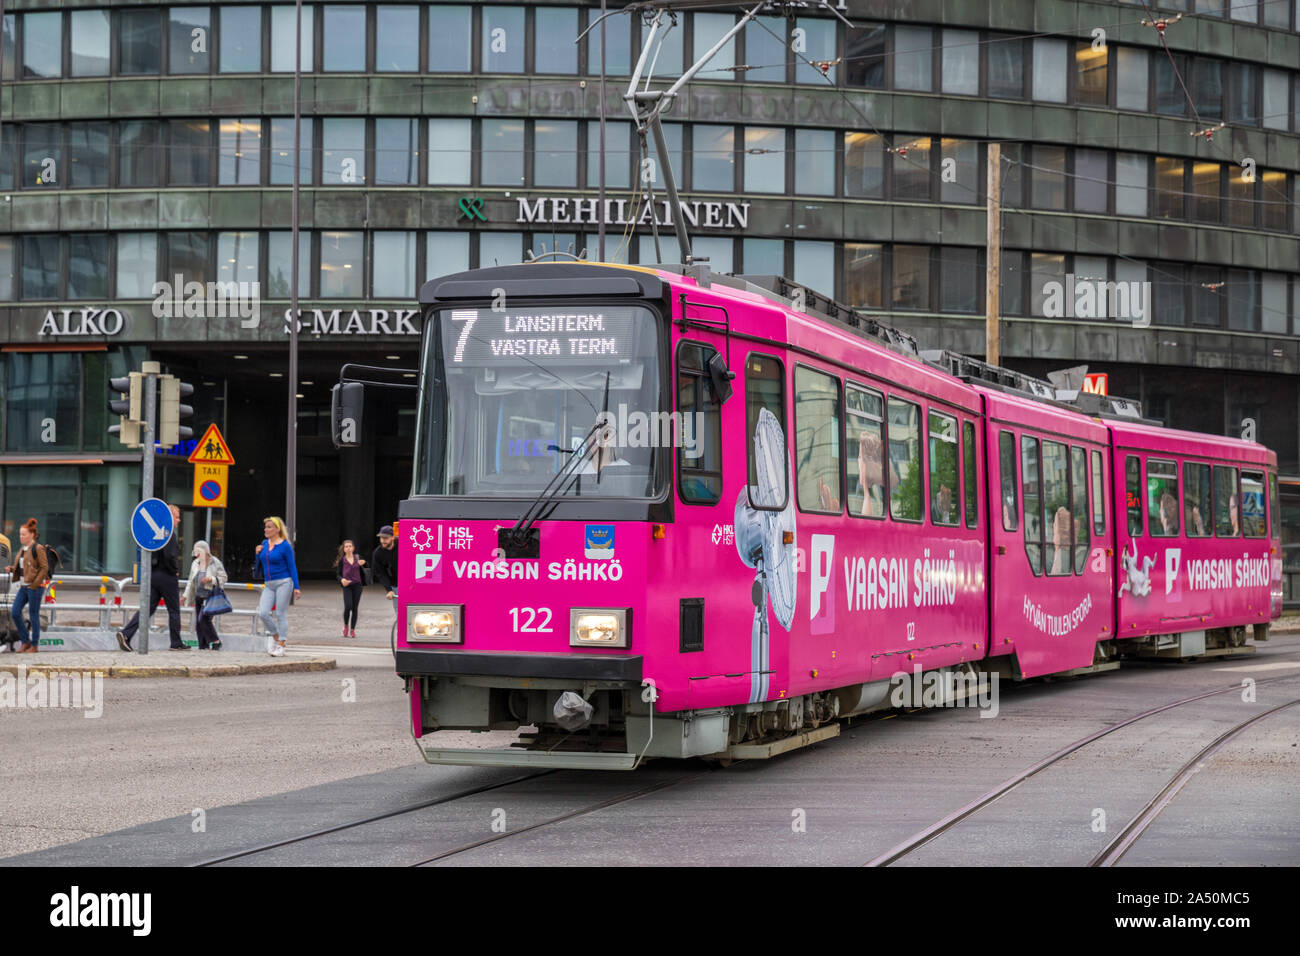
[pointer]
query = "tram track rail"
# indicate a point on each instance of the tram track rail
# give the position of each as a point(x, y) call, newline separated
point(951, 820)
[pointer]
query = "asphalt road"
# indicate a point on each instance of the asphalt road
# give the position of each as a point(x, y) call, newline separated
point(276, 757)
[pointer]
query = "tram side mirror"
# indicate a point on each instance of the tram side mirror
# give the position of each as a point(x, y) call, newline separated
point(347, 400)
point(721, 376)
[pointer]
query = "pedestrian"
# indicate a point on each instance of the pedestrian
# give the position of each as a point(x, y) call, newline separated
point(32, 567)
point(207, 574)
point(350, 577)
point(164, 581)
point(384, 562)
point(280, 577)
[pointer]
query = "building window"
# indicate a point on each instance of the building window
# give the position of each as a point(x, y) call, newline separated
point(139, 42)
point(503, 39)
point(864, 165)
point(1245, 10)
point(1006, 66)
point(1169, 188)
point(42, 267)
point(1243, 301)
point(673, 137)
point(283, 48)
point(1205, 191)
point(87, 277)
point(959, 283)
point(1276, 99)
point(89, 42)
point(554, 153)
point(279, 263)
point(764, 159)
point(814, 266)
point(449, 152)
point(237, 255)
point(912, 176)
point(959, 161)
point(189, 153)
point(713, 160)
point(1045, 267)
point(1131, 79)
point(392, 266)
point(8, 45)
point(239, 152)
point(1272, 303)
point(817, 441)
point(961, 62)
point(766, 50)
point(137, 264)
point(1206, 86)
point(1047, 177)
point(445, 253)
point(1130, 184)
point(819, 42)
point(503, 153)
point(865, 54)
point(343, 151)
point(1011, 294)
point(187, 256)
point(719, 250)
point(139, 153)
point(42, 45)
point(913, 58)
point(500, 248)
point(342, 261)
point(1091, 167)
point(1090, 74)
point(40, 386)
point(42, 155)
point(397, 152)
point(1240, 92)
point(189, 40)
point(1273, 204)
point(668, 250)
point(763, 257)
point(864, 275)
point(911, 288)
point(618, 59)
point(618, 153)
point(1170, 98)
point(241, 39)
point(450, 42)
point(1206, 302)
point(709, 29)
point(397, 39)
point(553, 48)
point(343, 42)
point(281, 151)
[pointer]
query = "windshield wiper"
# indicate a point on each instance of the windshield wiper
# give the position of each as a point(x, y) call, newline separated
point(518, 535)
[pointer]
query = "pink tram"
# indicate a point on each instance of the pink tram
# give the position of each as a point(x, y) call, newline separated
point(671, 514)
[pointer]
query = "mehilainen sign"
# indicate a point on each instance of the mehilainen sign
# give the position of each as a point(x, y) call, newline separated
point(707, 214)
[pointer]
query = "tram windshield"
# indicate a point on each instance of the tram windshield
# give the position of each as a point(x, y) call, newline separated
point(511, 395)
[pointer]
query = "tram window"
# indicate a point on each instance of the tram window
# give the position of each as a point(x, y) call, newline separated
point(1079, 512)
point(1007, 468)
point(1196, 499)
point(1162, 497)
point(1274, 518)
point(968, 469)
point(1133, 494)
point(1056, 498)
point(817, 441)
point(1032, 502)
point(1098, 490)
point(765, 389)
point(1227, 520)
point(945, 506)
point(864, 416)
point(699, 454)
point(1252, 504)
point(905, 474)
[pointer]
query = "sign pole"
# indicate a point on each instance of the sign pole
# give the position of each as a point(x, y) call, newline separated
point(150, 370)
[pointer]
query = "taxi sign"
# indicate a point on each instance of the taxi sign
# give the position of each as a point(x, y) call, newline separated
point(212, 449)
point(210, 485)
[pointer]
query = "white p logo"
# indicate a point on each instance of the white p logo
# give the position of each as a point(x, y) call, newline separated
point(428, 566)
point(1173, 561)
point(822, 614)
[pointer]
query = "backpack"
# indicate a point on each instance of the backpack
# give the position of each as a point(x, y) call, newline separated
point(52, 558)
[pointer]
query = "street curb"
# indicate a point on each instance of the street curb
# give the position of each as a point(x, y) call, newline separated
point(173, 670)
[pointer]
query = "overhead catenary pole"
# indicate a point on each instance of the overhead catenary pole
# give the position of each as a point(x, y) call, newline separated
point(993, 256)
point(291, 451)
point(600, 208)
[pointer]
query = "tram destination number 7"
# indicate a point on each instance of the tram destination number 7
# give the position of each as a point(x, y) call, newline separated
point(532, 625)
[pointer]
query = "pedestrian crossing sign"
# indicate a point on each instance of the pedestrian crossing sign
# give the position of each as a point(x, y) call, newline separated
point(212, 449)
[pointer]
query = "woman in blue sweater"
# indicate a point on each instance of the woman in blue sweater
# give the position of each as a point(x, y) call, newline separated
point(280, 572)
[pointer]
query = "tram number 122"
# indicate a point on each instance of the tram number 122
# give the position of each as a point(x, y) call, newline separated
point(534, 623)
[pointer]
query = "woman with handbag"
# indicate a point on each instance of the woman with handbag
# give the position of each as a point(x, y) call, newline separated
point(207, 578)
point(351, 577)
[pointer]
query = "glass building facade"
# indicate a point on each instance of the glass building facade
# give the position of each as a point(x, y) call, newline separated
point(154, 143)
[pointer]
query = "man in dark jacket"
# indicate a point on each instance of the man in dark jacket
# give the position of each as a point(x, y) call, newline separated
point(165, 570)
point(384, 562)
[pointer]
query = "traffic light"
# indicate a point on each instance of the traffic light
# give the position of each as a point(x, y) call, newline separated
point(171, 412)
point(347, 402)
point(129, 390)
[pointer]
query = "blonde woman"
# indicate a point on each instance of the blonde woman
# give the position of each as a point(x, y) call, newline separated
point(280, 574)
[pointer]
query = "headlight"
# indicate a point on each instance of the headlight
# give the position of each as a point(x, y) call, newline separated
point(598, 627)
point(441, 623)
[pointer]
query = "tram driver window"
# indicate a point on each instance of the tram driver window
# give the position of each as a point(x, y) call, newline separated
point(1196, 499)
point(1033, 503)
point(1056, 497)
point(765, 389)
point(1253, 524)
point(944, 501)
point(699, 454)
point(817, 441)
point(864, 448)
point(1007, 468)
point(905, 474)
point(1133, 494)
point(1227, 513)
point(1162, 497)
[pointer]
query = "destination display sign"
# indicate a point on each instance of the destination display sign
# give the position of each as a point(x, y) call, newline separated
point(560, 336)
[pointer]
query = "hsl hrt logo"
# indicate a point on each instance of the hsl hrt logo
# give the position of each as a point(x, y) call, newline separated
point(428, 567)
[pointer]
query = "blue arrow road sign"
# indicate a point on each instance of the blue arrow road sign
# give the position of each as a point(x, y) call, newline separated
point(151, 524)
